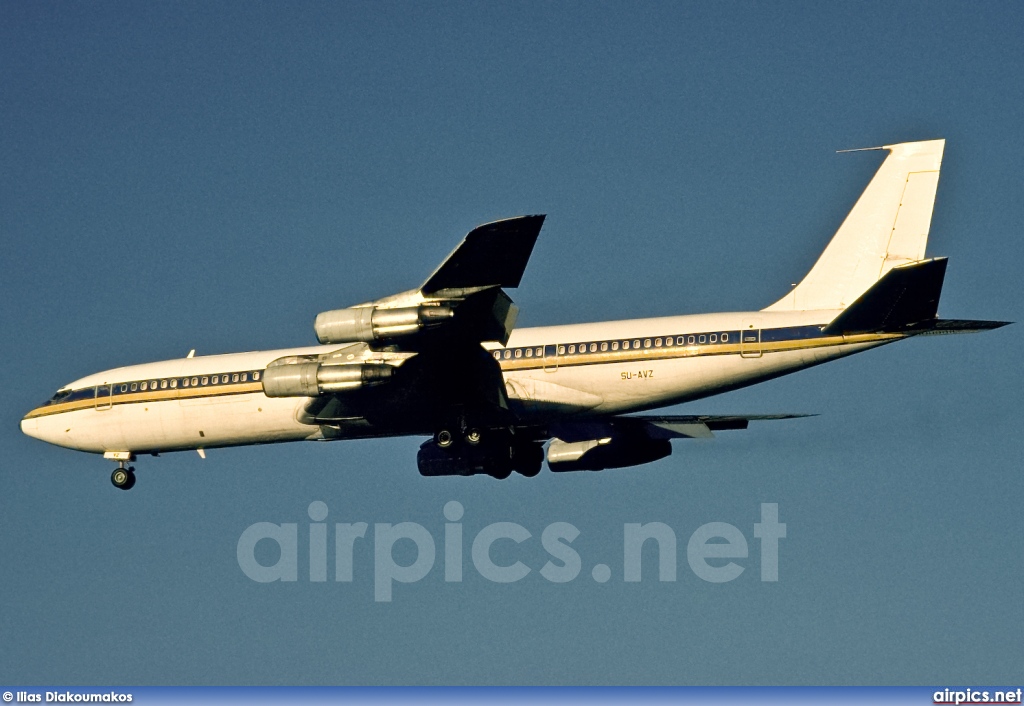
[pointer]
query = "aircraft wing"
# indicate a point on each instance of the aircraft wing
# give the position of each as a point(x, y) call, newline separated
point(697, 426)
point(492, 255)
point(442, 324)
point(451, 366)
point(618, 442)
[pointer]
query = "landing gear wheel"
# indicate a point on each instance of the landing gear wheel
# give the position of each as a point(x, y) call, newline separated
point(473, 437)
point(501, 472)
point(529, 459)
point(531, 470)
point(444, 439)
point(123, 478)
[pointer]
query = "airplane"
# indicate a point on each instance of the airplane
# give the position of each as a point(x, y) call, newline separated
point(445, 360)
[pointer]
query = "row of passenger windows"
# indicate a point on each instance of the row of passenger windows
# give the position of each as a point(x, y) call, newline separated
point(197, 381)
point(635, 344)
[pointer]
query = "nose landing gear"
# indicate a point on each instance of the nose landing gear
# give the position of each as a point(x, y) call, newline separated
point(123, 476)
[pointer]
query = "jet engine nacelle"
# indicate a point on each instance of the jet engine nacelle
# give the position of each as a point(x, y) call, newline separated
point(611, 452)
point(313, 379)
point(368, 323)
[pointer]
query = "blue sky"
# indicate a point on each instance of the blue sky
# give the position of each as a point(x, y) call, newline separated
point(181, 175)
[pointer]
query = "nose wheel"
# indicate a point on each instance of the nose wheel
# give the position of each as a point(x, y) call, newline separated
point(123, 477)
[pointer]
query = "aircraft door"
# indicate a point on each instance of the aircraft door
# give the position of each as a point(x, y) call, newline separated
point(550, 358)
point(104, 397)
point(750, 339)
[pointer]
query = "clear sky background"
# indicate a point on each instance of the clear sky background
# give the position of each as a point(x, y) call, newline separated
point(187, 175)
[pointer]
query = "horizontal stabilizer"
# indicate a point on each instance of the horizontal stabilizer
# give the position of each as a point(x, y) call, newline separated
point(491, 255)
point(905, 296)
point(939, 327)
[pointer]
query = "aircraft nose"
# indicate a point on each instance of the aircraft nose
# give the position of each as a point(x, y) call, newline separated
point(30, 427)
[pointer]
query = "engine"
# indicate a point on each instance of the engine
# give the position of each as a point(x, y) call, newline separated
point(611, 452)
point(310, 379)
point(368, 323)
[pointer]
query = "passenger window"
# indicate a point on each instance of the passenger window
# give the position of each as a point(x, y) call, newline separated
point(572, 348)
point(647, 343)
point(690, 340)
point(702, 338)
point(195, 381)
point(145, 385)
point(593, 348)
point(725, 338)
point(657, 343)
point(561, 350)
point(184, 382)
point(234, 378)
point(245, 377)
point(124, 388)
point(174, 383)
point(497, 355)
point(714, 338)
point(135, 386)
point(636, 344)
point(519, 352)
point(256, 376)
point(625, 345)
point(216, 379)
point(540, 351)
point(529, 352)
point(508, 354)
point(668, 341)
point(163, 384)
point(604, 346)
point(615, 345)
point(681, 340)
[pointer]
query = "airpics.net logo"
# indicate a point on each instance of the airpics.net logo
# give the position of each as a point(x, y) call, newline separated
point(714, 550)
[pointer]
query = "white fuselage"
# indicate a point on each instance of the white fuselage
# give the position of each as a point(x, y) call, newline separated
point(624, 366)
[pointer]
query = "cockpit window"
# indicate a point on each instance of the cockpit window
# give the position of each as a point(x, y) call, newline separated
point(59, 396)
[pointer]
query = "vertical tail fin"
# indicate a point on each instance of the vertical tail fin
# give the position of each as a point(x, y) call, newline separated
point(887, 227)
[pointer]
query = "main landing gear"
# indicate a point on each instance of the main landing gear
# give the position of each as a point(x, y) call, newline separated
point(123, 476)
point(493, 452)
